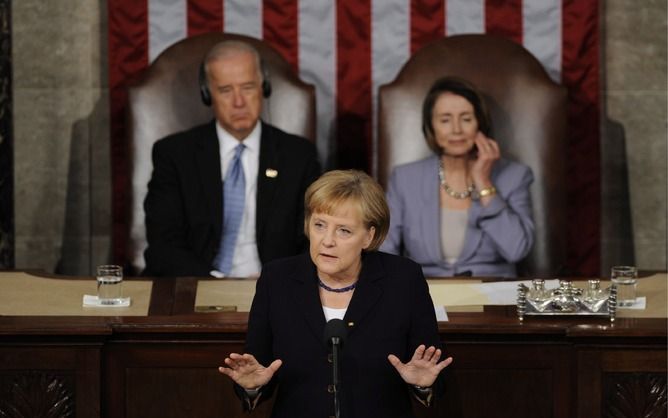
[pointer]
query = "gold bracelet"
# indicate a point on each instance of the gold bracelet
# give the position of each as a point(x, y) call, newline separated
point(490, 191)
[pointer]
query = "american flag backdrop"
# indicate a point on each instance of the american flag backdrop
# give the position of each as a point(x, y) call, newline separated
point(348, 48)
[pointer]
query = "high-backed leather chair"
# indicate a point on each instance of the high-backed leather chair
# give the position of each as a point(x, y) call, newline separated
point(167, 100)
point(528, 113)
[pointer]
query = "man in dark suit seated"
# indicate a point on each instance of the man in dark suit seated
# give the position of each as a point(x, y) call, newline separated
point(227, 196)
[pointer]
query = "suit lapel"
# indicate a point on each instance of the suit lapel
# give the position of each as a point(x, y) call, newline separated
point(367, 292)
point(306, 297)
point(208, 164)
point(431, 231)
point(267, 179)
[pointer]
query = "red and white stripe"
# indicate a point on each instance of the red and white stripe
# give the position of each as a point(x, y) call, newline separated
point(348, 48)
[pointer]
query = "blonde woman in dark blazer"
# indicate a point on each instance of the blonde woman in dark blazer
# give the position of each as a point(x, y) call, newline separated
point(392, 348)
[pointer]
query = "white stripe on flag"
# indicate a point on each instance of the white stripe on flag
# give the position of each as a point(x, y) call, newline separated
point(464, 16)
point(167, 24)
point(542, 33)
point(317, 65)
point(390, 49)
point(243, 17)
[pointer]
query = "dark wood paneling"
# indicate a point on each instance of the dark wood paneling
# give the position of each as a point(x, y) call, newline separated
point(165, 380)
point(531, 380)
point(634, 395)
point(33, 393)
point(618, 381)
point(50, 381)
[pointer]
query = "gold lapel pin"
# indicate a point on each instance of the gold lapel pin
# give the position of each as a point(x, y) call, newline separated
point(351, 324)
point(271, 173)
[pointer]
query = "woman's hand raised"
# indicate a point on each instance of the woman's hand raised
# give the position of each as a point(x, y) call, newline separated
point(247, 372)
point(423, 368)
point(481, 167)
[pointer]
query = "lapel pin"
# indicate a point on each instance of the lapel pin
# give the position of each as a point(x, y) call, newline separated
point(271, 173)
point(351, 324)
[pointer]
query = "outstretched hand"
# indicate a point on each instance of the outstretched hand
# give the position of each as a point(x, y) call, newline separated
point(247, 372)
point(423, 368)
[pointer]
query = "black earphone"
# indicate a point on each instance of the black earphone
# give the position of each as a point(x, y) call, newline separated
point(205, 94)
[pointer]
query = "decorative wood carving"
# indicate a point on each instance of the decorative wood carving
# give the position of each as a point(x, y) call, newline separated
point(634, 395)
point(6, 152)
point(36, 394)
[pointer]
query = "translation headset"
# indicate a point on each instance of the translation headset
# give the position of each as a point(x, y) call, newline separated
point(205, 94)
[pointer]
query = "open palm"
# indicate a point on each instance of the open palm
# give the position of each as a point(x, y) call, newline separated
point(247, 372)
point(423, 368)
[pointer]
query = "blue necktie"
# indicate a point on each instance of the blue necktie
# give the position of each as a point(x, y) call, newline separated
point(234, 191)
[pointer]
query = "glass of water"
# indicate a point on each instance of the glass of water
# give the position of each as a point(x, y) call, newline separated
point(625, 278)
point(109, 284)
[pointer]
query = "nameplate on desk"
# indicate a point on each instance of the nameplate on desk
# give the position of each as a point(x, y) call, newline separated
point(215, 308)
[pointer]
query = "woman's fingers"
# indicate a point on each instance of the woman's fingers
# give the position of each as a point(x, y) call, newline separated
point(275, 365)
point(394, 360)
point(419, 352)
point(487, 147)
point(445, 363)
point(246, 371)
point(431, 355)
point(237, 362)
point(436, 354)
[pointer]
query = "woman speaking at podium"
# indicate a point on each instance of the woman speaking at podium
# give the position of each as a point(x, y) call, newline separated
point(388, 346)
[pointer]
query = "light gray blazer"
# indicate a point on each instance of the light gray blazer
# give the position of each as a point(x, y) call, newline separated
point(497, 236)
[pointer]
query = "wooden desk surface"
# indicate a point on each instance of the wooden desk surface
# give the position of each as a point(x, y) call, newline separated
point(175, 302)
point(208, 302)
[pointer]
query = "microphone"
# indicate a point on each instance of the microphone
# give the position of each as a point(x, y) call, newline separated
point(334, 336)
point(335, 333)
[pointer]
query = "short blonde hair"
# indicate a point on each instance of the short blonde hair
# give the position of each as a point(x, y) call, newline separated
point(340, 186)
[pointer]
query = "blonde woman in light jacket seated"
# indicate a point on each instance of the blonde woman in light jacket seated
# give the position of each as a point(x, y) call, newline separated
point(464, 210)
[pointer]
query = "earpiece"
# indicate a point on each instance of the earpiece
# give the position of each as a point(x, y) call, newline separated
point(205, 94)
point(266, 84)
point(204, 86)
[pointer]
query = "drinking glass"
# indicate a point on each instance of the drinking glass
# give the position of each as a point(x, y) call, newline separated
point(109, 284)
point(625, 278)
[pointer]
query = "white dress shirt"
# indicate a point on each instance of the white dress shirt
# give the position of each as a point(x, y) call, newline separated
point(246, 260)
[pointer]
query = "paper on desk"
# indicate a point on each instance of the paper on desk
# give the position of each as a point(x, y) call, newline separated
point(505, 293)
point(441, 315)
point(640, 303)
point(445, 293)
point(471, 294)
point(92, 301)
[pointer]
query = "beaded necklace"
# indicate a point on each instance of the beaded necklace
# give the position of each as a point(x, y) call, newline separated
point(340, 290)
point(446, 187)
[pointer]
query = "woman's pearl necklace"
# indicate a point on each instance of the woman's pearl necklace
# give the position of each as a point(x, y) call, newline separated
point(446, 187)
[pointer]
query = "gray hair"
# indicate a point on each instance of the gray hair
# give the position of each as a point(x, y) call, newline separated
point(226, 49)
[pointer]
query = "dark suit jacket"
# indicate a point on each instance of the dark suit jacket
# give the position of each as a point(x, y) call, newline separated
point(184, 204)
point(391, 312)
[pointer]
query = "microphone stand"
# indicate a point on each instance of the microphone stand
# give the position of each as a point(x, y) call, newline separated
point(336, 344)
point(335, 336)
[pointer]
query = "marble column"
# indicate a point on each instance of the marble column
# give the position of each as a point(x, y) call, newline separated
point(635, 93)
point(6, 149)
point(61, 130)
